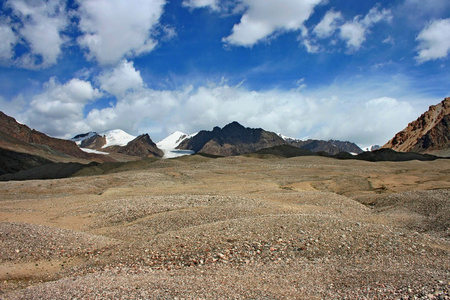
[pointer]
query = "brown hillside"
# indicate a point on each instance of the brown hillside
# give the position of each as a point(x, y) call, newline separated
point(429, 133)
point(21, 138)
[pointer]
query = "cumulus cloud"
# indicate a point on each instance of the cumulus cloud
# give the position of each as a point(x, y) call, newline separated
point(212, 4)
point(353, 33)
point(328, 25)
point(434, 41)
point(329, 114)
point(358, 111)
point(14, 106)
point(264, 18)
point(58, 110)
point(121, 79)
point(41, 24)
point(8, 39)
point(113, 29)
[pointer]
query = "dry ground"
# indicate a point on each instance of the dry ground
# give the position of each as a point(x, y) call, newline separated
point(238, 227)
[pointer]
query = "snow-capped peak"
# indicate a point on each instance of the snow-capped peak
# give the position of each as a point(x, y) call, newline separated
point(371, 148)
point(116, 137)
point(170, 143)
point(287, 138)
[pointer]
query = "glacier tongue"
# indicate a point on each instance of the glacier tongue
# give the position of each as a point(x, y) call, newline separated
point(170, 143)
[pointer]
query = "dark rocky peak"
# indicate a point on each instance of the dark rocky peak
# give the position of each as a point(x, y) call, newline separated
point(141, 146)
point(245, 134)
point(145, 138)
point(233, 139)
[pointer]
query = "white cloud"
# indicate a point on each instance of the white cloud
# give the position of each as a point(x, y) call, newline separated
point(42, 26)
point(121, 79)
point(434, 41)
point(353, 32)
point(376, 15)
point(113, 29)
point(8, 39)
point(264, 18)
point(59, 109)
point(360, 110)
point(354, 110)
point(13, 107)
point(212, 4)
point(328, 24)
point(137, 111)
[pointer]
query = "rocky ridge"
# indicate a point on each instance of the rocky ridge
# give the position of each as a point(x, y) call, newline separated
point(118, 141)
point(233, 139)
point(430, 133)
point(13, 134)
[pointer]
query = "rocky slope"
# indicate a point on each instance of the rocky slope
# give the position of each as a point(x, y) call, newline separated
point(233, 139)
point(23, 148)
point(430, 133)
point(142, 146)
point(13, 133)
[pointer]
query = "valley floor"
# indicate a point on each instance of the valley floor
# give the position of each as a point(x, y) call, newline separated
point(236, 227)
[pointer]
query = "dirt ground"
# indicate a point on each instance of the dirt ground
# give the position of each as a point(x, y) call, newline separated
point(231, 228)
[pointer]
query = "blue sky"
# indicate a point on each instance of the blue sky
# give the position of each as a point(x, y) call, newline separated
point(349, 70)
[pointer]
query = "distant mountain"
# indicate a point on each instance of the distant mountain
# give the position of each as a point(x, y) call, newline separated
point(233, 139)
point(118, 141)
point(430, 133)
point(288, 151)
point(371, 148)
point(142, 146)
point(331, 147)
point(99, 141)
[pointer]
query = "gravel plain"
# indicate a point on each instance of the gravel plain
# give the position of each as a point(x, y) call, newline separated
point(231, 228)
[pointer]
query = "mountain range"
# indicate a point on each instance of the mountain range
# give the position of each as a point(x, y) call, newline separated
point(23, 148)
point(118, 141)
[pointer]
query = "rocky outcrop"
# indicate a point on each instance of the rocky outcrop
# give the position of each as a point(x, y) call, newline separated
point(430, 133)
point(233, 139)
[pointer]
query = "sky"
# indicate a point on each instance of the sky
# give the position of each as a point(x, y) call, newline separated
point(350, 70)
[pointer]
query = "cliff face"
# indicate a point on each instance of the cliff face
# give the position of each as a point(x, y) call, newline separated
point(430, 133)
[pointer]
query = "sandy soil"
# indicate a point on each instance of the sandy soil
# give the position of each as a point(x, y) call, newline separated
point(237, 227)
